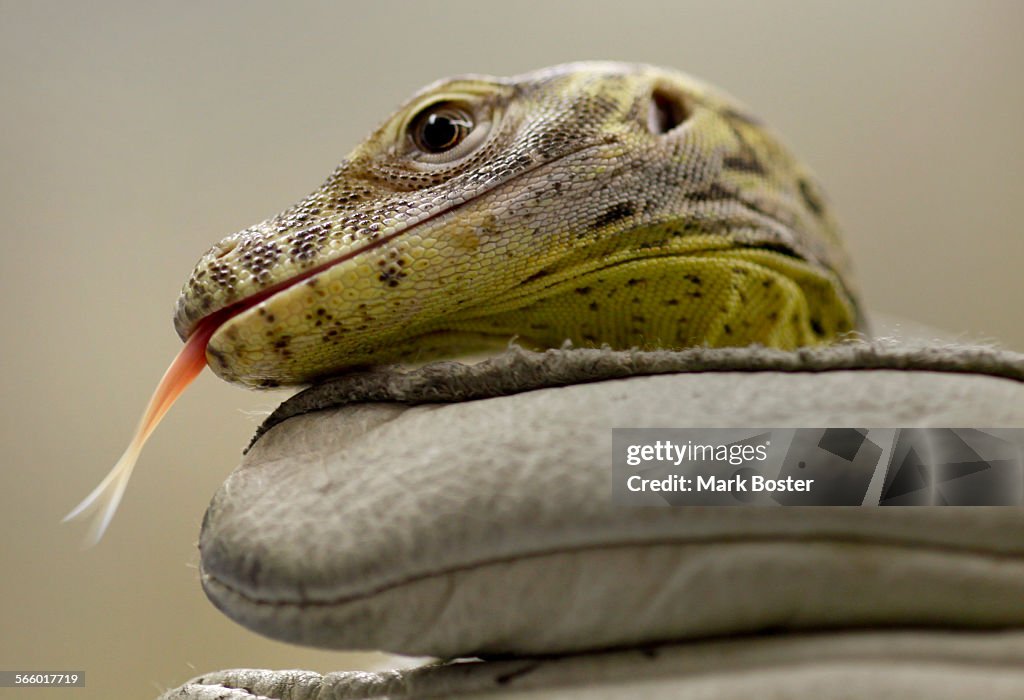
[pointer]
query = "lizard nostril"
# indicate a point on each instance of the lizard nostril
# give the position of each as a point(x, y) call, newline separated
point(224, 248)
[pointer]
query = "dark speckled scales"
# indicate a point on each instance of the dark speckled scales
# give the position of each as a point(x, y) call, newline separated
point(628, 180)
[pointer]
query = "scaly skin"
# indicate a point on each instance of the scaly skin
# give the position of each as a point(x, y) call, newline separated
point(576, 207)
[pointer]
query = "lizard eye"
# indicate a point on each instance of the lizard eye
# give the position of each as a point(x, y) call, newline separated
point(440, 127)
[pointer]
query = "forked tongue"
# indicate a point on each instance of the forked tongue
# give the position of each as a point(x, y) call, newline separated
point(102, 502)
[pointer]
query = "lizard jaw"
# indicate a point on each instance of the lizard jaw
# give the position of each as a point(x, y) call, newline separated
point(220, 317)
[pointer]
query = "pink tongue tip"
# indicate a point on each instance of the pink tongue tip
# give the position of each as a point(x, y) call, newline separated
point(103, 501)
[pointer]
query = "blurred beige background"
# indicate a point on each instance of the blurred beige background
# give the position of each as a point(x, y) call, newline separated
point(135, 135)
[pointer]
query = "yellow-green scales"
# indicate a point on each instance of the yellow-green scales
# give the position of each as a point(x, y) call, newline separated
point(601, 203)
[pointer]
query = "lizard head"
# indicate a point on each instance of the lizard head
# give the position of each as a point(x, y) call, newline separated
point(483, 206)
point(602, 203)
